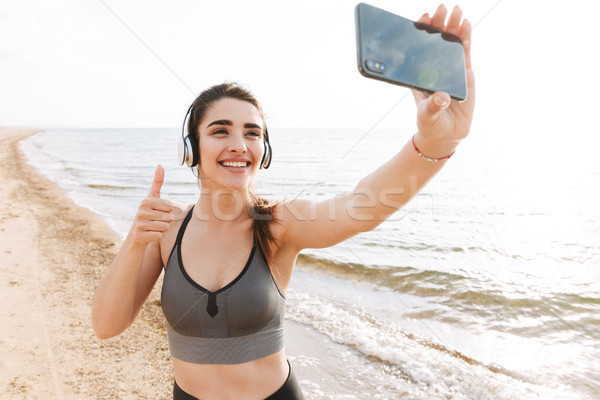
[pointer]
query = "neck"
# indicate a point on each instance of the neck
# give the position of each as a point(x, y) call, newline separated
point(223, 207)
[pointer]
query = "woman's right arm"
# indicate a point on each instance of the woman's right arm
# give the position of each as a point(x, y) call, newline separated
point(137, 266)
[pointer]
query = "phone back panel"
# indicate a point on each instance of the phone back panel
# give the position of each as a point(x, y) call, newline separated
point(397, 50)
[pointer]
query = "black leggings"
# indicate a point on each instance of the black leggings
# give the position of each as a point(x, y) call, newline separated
point(289, 391)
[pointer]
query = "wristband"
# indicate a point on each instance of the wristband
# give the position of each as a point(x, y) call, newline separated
point(424, 157)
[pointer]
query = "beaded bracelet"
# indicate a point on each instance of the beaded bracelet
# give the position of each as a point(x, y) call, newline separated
point(423, 156)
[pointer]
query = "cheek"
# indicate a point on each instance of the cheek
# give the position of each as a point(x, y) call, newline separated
point(208, 151)
point(207, 160)
point(258, 151)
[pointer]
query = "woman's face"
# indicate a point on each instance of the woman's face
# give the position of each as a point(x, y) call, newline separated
point(231, 144)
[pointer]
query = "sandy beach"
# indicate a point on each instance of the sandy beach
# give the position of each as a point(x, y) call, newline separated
point(53, 255)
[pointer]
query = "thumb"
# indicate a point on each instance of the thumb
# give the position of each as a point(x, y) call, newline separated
point(436, 103)
point(159, 177)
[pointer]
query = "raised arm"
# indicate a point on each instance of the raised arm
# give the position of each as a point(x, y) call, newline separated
point(442, 123)
point(133, 273)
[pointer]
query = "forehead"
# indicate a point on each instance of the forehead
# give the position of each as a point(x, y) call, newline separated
point(237, 111)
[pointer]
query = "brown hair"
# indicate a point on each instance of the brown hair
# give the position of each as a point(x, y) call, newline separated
point(261, 209)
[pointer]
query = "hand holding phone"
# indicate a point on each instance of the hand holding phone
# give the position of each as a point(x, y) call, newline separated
point(442, 123)
point(397, 50)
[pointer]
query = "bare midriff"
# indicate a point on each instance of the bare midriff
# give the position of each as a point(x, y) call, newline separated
point(256, 379)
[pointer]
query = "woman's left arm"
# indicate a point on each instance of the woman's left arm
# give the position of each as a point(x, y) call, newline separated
point(442, 123)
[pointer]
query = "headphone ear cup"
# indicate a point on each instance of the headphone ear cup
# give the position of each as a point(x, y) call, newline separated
point(182, 150)
point(266, 159)
point(188, 152)
point(193, 151)
point(187, 148)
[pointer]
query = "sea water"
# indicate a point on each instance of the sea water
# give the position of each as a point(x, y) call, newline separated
point(486, 286)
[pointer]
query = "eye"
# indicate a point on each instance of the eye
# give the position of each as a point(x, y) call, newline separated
point(253, 133)
point(220, 132)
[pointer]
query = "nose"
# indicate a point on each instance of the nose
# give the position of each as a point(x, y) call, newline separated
point(237, 144)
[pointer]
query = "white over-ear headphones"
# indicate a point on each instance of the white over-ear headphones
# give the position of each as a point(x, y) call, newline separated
point(188, 151)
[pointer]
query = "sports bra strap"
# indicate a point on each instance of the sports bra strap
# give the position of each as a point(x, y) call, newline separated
point(183, 226)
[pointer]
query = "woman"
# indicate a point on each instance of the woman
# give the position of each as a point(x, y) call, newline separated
point(228, 259)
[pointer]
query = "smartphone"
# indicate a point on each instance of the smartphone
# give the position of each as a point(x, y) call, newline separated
point(396, 50)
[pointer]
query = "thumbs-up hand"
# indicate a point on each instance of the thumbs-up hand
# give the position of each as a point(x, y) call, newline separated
point(154, 214)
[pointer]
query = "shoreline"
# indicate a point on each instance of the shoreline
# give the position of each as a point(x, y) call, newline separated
point(54, 254)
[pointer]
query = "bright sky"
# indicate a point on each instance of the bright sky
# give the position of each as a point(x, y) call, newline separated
point(82, 62)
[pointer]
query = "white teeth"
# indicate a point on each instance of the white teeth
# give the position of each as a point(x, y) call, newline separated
point(234, 164)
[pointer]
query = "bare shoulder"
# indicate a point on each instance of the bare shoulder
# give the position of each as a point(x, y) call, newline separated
point(290, 212)
point(286, 215)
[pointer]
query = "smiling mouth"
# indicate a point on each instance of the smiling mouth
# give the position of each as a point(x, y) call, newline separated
point(235, 164)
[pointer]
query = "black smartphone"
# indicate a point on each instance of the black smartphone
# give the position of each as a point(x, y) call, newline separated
point(396, 50)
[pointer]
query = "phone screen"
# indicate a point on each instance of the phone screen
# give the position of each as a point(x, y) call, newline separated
point(400, 51)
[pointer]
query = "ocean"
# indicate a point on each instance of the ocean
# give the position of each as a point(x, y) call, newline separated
point(486, 286)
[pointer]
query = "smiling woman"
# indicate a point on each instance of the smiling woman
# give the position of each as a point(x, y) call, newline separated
point(209, 132)
point(229, 258)
point(225, 313)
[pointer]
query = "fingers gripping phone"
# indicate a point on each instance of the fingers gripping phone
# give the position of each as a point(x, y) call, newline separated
point(396, 50)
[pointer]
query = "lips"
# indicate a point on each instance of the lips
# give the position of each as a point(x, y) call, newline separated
point(235, 164)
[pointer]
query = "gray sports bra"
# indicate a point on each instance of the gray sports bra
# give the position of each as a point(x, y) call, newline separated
point(241, 322)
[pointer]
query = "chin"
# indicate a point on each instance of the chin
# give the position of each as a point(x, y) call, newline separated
point(237, 186)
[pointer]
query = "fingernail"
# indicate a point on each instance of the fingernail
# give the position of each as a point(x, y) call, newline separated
point(440, 101)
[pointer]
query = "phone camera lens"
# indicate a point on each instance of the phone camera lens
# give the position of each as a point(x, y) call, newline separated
point(375, 66)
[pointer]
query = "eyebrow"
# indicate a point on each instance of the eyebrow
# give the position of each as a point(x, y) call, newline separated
point(230, 123)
